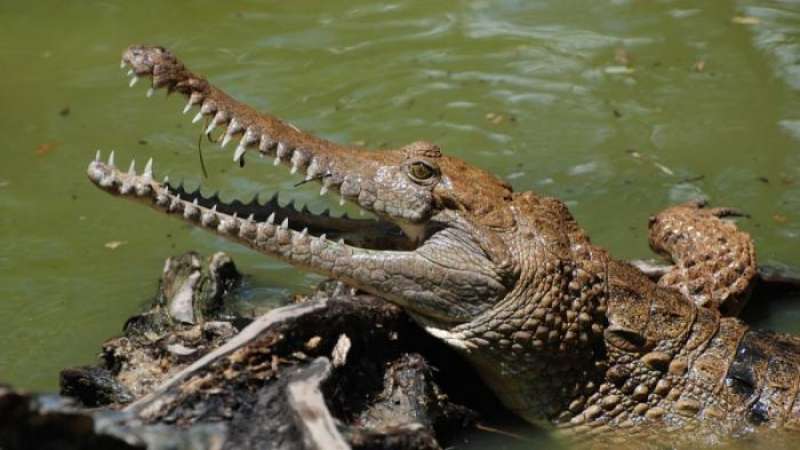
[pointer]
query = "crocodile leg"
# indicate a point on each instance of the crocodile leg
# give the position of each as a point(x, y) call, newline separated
point(715, 262)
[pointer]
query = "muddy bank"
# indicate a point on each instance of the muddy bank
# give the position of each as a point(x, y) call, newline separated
point(336, 369)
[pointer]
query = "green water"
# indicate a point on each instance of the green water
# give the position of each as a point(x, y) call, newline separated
point(599, 103)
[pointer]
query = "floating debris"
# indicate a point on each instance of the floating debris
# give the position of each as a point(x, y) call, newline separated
point(699, 66)
point(622, 57)
point(46, 148)
point(780, 218)
point(746, 20)
point(113, 245)
point(619, 70)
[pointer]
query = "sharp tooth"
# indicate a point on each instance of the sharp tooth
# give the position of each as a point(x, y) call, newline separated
point(294, 168)
point(111, 159)
point(271, 219)
point(283, 150)
point(323, 237)
point(194, 99)
point(214, 208)
point(276, 161)
point(211, 126)
point(239, 152)
point(323, 190)
point(133, 81)
point(197, 117)
point(285, 223)
point(208, 107)
point(251, 218)
point(122, 64)
point(132, 168)
point(150, 92)
point(265, 144)
point(341, 201)
point(233, 128)
point(194, 202)
point(341, 241)
point(97, 156)
point(304, 232)
point(166, 180)
point(148, 169)
point(130, 72)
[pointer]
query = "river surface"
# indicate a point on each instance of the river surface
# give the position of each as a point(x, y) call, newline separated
point(618, 107)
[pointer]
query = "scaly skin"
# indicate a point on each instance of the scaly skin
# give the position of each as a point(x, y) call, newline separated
point(563, 333)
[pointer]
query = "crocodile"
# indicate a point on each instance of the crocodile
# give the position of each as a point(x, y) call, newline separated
point(563, 333)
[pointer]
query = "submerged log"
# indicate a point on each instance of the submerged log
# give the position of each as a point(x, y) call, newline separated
point(338, 369)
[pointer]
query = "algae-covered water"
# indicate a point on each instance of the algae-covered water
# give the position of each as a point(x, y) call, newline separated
point(618, 107)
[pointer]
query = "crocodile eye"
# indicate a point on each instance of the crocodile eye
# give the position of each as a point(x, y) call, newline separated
point(421, 171)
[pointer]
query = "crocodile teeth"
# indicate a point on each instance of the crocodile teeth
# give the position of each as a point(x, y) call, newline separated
point(148, 169)
point(285, 223)
point(194, 99)
point(97, 156)
point(132, 168)
point(218, 119)
point(271, 219)
point(197, 117)
point(323, 190)
point(130, 72)
point(233, 128)
point(240, 151)
point(111, 159)
point(265, 144)
point(122, 64)
point(281, 153)
point(133, 81)
point(209, 107)
point(150, 92)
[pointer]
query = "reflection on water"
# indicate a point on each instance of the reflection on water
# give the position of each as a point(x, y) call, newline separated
point(619, 108)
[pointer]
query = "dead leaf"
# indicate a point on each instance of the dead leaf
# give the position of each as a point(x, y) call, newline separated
point(699, 66)
point(112, 245)
point(622, 57)
point(44, 149)
point(780, 218)
point(496, 118)
point(619, 70)
point(746, 20)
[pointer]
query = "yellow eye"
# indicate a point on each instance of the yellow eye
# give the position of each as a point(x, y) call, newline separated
point(421, 171)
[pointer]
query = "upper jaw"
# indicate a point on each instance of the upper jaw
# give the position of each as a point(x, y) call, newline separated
point(337, 169)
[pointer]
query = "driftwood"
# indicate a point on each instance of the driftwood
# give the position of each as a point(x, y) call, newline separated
point(337, 370)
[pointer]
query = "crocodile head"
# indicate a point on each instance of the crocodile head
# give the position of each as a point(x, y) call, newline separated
point(437, 248)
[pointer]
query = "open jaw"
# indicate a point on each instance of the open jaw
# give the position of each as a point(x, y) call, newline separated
point(315, 159)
